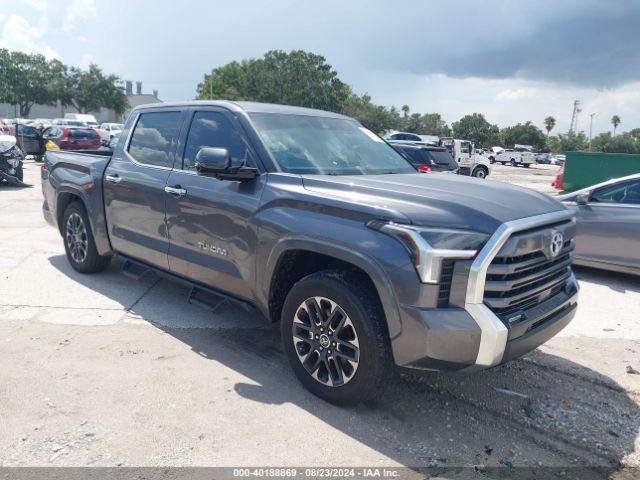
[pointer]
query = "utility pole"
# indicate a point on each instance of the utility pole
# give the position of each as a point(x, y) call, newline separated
point(591, 128)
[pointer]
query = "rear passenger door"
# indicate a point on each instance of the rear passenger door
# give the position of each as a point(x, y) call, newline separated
point(134, 182)
point(212, 234)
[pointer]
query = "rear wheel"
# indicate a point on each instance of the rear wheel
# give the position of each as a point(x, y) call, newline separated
point(526, 165)
point(512, 162)
point(79, 243)
point(335, 337)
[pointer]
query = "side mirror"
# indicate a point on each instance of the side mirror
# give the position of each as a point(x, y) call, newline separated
point(216, 162)
point(583, 198)
point(210, 161)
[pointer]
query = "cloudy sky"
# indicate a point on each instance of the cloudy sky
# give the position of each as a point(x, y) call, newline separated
point(511, 60)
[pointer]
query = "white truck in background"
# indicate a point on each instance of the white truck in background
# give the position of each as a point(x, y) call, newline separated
point(470, 162)
point(518, 155)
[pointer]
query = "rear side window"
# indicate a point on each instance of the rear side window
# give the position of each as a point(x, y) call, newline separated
point(152, 138)
point(212, 129)
point(414, 155)
point(83, 134)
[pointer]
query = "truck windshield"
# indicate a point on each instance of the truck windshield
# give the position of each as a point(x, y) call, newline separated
point(329, 146)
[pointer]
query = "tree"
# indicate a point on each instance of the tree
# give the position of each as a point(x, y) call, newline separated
point(549, 123)
point(26, 80)
point(624, 143)
point(615, 121)
point(375, 117)
point(405, 111)
point(295, 78)
point(477, 129)
point(90, 90)
point(569, 142)
point(524, 134)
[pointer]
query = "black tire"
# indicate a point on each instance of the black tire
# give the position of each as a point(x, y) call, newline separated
point(19, 173)
point(492, 160)
point(526, 165)
point(512, 162)
point(353, 293)
point(89, 261)
point(503, 163)
point(480, 172)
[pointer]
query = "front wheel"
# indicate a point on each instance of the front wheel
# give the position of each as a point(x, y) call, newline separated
point(480, 173)
point(512, 162)
point(335, 337)
point(79, 243)
point(20, 173)
point(526, 165)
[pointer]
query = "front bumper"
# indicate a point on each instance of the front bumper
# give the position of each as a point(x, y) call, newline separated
point(471, 337)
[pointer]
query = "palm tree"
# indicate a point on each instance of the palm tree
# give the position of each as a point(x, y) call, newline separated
point(549, 123)
point(405, 110)
point(615, 120)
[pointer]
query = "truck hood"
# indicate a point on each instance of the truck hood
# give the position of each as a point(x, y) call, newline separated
point(437, 199)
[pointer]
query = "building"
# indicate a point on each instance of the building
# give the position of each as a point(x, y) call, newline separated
point(104, 115)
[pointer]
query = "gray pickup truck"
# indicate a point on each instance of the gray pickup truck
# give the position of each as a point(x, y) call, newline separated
point(318, 224)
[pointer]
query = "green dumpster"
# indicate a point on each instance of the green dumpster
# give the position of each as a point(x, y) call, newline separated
point(583, 169)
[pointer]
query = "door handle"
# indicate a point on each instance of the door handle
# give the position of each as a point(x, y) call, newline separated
point(115, 178)
point(176, 191)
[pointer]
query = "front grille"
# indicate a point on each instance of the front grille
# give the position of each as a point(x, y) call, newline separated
point(521, 276)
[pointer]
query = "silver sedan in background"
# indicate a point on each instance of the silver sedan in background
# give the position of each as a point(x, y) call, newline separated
point(608, 224)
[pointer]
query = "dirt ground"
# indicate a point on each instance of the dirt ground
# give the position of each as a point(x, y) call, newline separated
point(103, 370)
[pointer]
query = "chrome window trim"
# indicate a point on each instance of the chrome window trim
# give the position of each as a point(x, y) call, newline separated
point(493, 338)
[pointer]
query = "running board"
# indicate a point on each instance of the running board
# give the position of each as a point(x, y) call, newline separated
point(135, 270)
point(209, 300)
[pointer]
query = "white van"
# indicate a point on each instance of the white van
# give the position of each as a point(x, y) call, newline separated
point(82, 117)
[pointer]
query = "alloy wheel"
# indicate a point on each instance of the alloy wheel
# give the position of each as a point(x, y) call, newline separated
point(326, 341)
point(76, 236)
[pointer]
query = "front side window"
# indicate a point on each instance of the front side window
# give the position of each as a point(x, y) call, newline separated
point(627, 193)
point(152, 138)
point(212, 129)
point(306, 144)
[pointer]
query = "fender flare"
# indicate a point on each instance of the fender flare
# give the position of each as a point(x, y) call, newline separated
point(364, 262)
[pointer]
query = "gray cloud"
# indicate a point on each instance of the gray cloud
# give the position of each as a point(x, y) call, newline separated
point(583, 43)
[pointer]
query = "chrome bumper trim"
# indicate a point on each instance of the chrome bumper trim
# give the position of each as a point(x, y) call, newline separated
point(493, 338)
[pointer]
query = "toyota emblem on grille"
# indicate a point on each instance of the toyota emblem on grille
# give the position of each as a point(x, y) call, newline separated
point(557, 242)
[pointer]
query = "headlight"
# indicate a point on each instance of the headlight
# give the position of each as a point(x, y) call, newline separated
point(428, 247)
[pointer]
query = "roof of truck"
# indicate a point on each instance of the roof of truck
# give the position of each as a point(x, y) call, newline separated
point(248, 107)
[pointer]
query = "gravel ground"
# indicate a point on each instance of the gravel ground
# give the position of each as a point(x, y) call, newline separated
point(103, 370)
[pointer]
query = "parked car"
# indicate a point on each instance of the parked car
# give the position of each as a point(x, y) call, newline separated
point(427, 158)
point(558, 159)
point(89, 120)
point(11, 158)
point(41, 123)
point(403, 137)
point(68, 122)
point(109, 130)
point(543, 158)
point(72, 138)
point(608, 224)
point(317, 224)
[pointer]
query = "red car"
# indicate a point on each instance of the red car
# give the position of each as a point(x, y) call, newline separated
point(72, 138)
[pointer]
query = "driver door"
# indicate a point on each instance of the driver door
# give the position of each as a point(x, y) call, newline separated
point(210, 222)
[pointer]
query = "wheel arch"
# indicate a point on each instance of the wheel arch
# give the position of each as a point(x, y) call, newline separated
point(294, 258)
point(66, 194)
